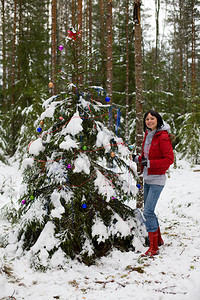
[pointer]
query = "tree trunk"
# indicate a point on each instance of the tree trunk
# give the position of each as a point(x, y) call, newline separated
point(157, 8)
point(53, 47)
point(73, 13)
point(14, 53)
point(13, 76)
point(127, 67)
point(102, 44)
point(79, 43)
point(139, 96)
point(90, 41)
point(109, 51)
point(193, 82)
point(3, 50)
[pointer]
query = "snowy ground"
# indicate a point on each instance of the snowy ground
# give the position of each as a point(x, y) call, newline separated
point(174, 274)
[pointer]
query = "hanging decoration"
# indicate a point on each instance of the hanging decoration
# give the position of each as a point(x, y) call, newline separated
point(112, 154)
point(107, 99)
point(84, 205)
point(73, 34)
point(50, 85)
point(118, 120)
point(39, 129)
point(110, 115)
point(60, 47)
point(24, 201)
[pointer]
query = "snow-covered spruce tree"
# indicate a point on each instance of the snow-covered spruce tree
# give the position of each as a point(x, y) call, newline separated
point(189, 137)
point(77, 179)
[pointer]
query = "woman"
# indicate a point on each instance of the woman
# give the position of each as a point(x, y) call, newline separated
point(157, 155)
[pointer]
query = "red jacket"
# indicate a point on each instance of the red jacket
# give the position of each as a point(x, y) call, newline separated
point(161, 154)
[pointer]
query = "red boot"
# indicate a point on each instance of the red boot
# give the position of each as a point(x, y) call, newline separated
point(153, 249)
point(160, 240)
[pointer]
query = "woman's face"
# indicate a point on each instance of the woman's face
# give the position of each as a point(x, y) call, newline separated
point(151, 122)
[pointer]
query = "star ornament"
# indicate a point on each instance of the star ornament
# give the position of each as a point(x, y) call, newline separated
point(73, 35)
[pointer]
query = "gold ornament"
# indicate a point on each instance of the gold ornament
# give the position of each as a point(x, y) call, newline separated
point(50, 85)
point(41, 122)
point(112, 154)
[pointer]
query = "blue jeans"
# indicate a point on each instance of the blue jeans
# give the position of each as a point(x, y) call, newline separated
point(151, 195)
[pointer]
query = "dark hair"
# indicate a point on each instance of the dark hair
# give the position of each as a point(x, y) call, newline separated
point(155, 114)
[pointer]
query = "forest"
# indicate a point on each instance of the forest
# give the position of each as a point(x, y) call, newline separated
point(45, 45)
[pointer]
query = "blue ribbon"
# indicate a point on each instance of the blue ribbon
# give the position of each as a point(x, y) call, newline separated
point(118, 120)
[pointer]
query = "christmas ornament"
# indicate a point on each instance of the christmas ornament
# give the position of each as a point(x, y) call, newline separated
point(106, 117)
point(112, 154)
point(23, 201)
point(39, 129)
point(41, 122)
point(32, 197)
point(74, 34)
point(107, 99)
point(118, 120)
point(138, 186)
point(61, 118)
point(84, 148)
point(60, 47)
point(84, 205)
point(69, 166)
point(50, 85)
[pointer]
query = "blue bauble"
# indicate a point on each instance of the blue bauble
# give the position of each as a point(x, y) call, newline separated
point(138, 186)
point(84, 205)
point(39, 129)
point(107, 99)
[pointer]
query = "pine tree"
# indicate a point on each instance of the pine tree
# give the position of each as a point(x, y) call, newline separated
point(78, 176)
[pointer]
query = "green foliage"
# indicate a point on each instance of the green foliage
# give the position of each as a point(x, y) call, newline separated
point(189, 137)
point(72, 190)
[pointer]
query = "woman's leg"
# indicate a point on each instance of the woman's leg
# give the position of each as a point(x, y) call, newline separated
point(151, 196)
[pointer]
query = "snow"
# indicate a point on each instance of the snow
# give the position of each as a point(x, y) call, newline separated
point(68, 143)
point(104, 185)
point(36, 147)
point(173, 274)
point(82, 163)
point(103, 139)
point(74, 126)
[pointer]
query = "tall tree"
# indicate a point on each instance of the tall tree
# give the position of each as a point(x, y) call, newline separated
point(139, 89)
point(79, 42)
point(90, 38)
point(157, 11)
point(193, 79)
point(3, 48)
point(109, 51)
point(102, 44)
point(13, 73)
point(127, 67)
point(53, 46)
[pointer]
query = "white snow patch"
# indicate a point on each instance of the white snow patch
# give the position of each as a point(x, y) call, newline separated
point(46, 239)
point(59, 209)
point(68, 143)
point(82, 163)
point(36, 147)
point(74, 126)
